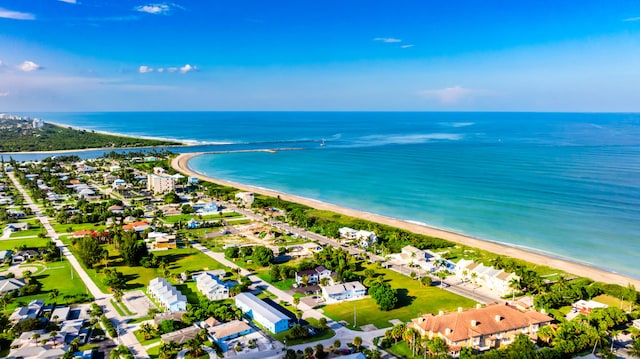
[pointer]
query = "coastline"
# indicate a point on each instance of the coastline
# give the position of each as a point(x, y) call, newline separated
point(180, 163)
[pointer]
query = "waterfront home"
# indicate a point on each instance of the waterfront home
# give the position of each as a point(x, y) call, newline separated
point(245, 198)
point(211, 285)
point(313, 276)
point(484, 328)
point(341, 292)
point(264, 314)
point(170, 298)
point(222, 333)
point(364, 238)
point(488, 277)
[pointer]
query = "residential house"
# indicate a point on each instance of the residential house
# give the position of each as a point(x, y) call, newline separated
point(159, 240)
point(245, 198)
point(16, 214)
point(314, 276)
point(5, 255)
point(364, 238)
point(167, 295)
point(10, 285)
point(119, 184)
point(484, 328)
point(586, 306)
point(341, 292)
point(16, 227)
point(264, 314)
point(139, 226)
point(193, 224)
point(32, 310)
point(181, 336)
point(222, 333)
point(211, 285)
point(488, 277)
point(116, 209)
point(207, 208)
point(24, 255)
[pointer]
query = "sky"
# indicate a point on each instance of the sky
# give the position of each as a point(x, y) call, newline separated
point(329, 55)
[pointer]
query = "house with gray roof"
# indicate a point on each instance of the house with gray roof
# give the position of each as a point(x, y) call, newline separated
point(263, 313)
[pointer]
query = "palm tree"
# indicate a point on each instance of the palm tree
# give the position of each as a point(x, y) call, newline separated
point(53, 295)
point(147, 331)
point(635, 348)
point(5, 300)
point(357, 342)
point(195, 347)
point(167, 350)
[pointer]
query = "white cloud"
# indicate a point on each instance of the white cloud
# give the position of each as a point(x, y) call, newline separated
point(187, 68)
point(407, 46)
point(145, 69)
point(69, 1)
point(155, 9)
point(161, 70)
point(172, 69)
point(630, 19)
point(388, 40)
point(449, 95)
point(4, 94)
point(29, 66)
point(15, 15)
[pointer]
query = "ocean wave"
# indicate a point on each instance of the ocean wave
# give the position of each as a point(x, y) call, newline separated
point(381, 140)
point(457, 124)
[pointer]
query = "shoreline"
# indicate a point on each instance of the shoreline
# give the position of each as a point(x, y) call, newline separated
point(180, 142)
point(180, 163)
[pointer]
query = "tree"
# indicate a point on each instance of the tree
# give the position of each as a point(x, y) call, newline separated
point(632, 295)
point(635, 348)
point(262, 256)
point(357, 342)
point(53, 295)
point(171, 197)
point(426, 281)
point(322, 323)
point(133, 250)
point(385, 296)
point(148, 331)
point(308, 352)
point(319, 351)
point(336, 344)
point(232, 252)
point(89, 251)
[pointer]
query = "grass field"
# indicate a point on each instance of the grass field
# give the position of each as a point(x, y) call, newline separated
point(180, 260)
point(58, 275)
point(64, 228)
point(281, 284)
point(187, 217)
point(413, 300)
point(29, 242)
point(34, 229)
point(612, 301)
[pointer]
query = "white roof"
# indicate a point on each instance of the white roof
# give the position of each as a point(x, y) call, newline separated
point(259, 306)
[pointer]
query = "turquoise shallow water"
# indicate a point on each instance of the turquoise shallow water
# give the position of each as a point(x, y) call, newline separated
point(564, 184)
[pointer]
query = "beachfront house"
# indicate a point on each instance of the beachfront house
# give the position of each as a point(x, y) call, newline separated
point(264, 314)
point(488, 277)
point(364, 238)
point(481, 328)
point(245, 198)
point(586, 306)
point(341, 292)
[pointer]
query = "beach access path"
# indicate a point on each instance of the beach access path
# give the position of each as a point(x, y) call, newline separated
point(180, 163)
point(127, 338)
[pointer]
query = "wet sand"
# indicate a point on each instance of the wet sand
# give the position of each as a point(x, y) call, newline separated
point(180, 163)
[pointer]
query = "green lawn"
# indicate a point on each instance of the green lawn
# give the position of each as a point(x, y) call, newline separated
point(180, 260)
point(33, 230)
point(612, 301)
point(401, 350)
point(413, 300)
point(29, 242)
point(59, 275)
point(64, 228)
point(281, 284)
point(186, 217)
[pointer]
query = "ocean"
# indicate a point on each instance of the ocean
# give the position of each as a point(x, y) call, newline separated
point(563, 184)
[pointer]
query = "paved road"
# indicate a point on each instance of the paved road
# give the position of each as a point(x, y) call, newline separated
point(343, 334)
point(127, 337)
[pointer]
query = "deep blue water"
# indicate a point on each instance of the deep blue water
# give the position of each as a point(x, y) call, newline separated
point(565, 184)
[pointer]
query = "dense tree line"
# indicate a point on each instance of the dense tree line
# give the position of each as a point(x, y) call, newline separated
point(51, 137)
point(391, 239)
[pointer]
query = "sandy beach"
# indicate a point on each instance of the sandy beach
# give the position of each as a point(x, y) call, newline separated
point(180, 163)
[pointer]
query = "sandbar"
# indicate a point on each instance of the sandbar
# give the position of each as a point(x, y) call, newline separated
point(180, 163)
